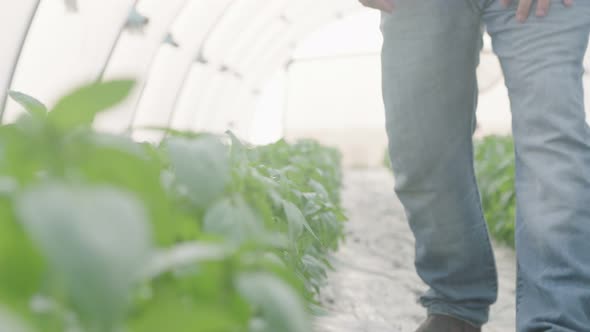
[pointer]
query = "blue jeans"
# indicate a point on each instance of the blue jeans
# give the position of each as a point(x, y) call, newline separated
point(430, 55)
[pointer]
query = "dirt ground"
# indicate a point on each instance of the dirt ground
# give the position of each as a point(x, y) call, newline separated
point(374, 287)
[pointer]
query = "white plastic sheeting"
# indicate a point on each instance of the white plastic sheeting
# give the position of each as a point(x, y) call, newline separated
point(66, 47)
point(206, 76)
point(265, 48)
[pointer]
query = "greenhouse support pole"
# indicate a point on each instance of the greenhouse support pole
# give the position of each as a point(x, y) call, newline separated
point(114, 45)
point(4, 98)
point(286, 96)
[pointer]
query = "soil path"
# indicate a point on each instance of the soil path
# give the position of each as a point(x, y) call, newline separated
point(374, 287)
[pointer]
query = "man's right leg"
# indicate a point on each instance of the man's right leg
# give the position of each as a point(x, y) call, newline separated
point(430, 55)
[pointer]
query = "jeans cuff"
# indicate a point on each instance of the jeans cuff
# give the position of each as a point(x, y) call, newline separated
point(477, 319)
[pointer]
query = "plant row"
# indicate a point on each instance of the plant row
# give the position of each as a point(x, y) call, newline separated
point(494, 168)
point(201, 232)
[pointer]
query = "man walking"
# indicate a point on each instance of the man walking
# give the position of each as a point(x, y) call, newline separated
point(429, 61)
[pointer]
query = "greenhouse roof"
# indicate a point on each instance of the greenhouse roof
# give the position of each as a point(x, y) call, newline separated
point(172, 48)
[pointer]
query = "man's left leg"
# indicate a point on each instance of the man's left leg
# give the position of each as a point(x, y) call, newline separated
point(542, 62)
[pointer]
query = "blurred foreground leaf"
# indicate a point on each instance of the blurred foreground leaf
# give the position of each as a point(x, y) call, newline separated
point(80, 107)
point(234, 220)
point(10, 323)
point(30, 104)
point(96, 240)
point(280, 307)
point(201, 166)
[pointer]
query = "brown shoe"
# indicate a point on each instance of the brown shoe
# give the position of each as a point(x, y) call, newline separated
point(440, 323)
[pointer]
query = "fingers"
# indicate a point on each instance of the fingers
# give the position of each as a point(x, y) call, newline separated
point(543, 7)
point(386, 5)
point(524, 8)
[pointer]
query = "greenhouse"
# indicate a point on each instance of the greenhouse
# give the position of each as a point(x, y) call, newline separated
point(223, 166)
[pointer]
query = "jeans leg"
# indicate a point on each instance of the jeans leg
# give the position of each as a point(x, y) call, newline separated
point(429, 61)
point(542, 63)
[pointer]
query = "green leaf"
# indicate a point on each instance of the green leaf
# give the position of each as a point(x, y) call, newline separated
point(10, 323)
point(183, 255)
point(177, 311)
point(236, 142)
point(30, 104)
point(23, 154)
point(319, 189)
point(201, 166)
point(233, 219)
point(296, 220)
point(126, 167)
point(22, 266)
point(95, 239)
point(238, 149)
point(281, 307)
point(171, 132)
point(121, 143)
point(80, 107)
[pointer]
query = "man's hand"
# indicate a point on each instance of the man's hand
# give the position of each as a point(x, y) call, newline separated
point(524, 7)
point(385, 5)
